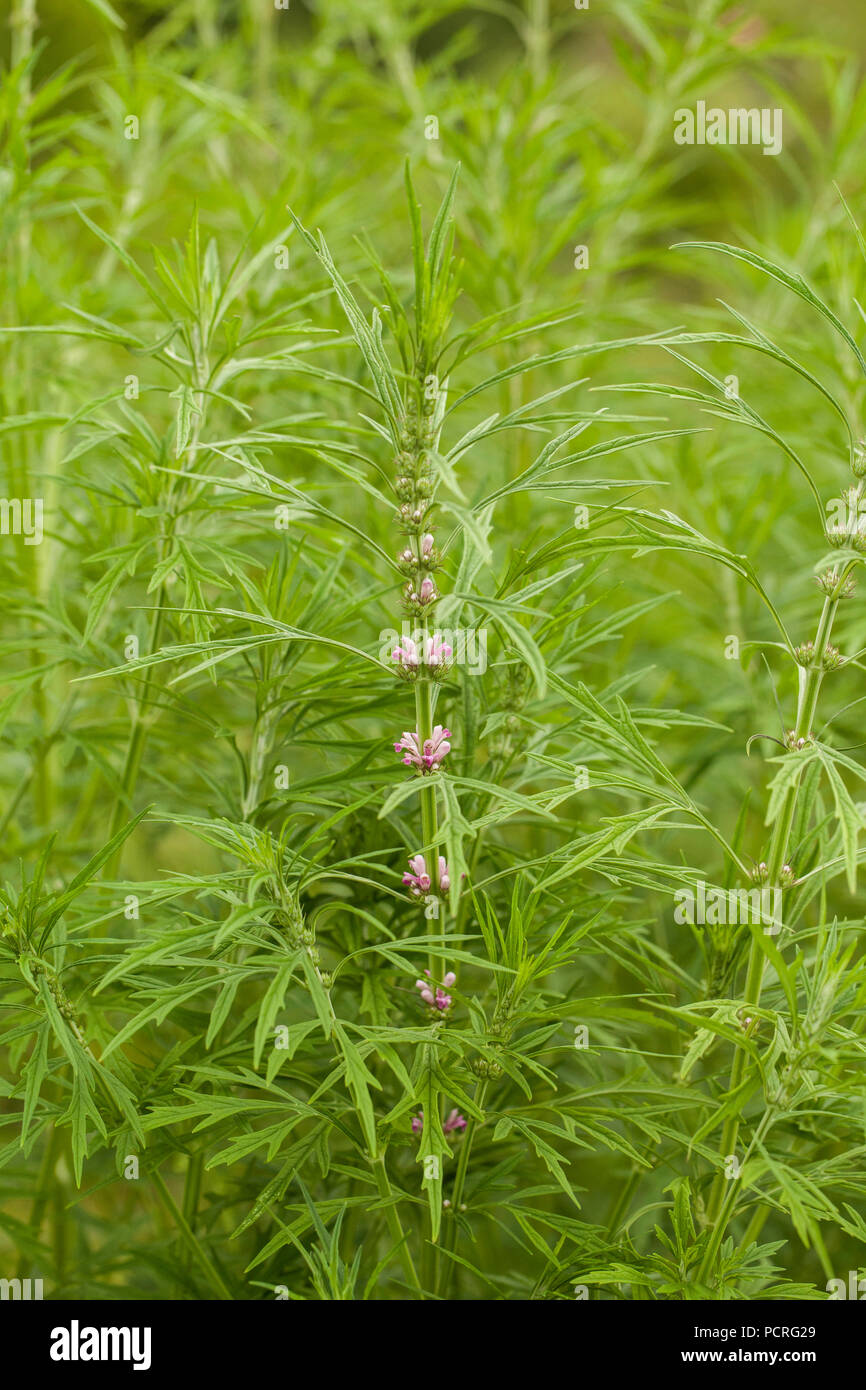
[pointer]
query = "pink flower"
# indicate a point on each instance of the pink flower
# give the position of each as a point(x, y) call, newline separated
point(410, 655)
point(422, 596)
point(418, 881)
point(428, 757)
point(454, 1122)
point(436, 652)
point(426, 546)
point(440, 1000)
point(406, 656)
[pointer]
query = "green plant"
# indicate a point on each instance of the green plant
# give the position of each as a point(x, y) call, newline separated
point(247, 1051)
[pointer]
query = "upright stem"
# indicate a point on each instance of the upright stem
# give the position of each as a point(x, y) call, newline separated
point(18, 374)
point(460, 1180)
point(720, 1207)
point(45, 1187)
point(138, 732)
point(395, 1227)
point(191, 1194)
point(190, 1239)
point(429, 816)
point(538, 40)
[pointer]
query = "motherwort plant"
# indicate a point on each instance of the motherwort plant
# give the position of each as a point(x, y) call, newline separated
point(339, 966)
point(413, 398)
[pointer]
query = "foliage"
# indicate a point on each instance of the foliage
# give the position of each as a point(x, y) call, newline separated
point(262, 338)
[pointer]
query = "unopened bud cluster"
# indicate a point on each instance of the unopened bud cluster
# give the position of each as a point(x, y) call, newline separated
point(761, 874)
point(830, 660)
point(831, 583)
point(55, 988)
point(501, 1028)
point(297, 933)
point(414, 485)
point(797, 742)
point(37, 970)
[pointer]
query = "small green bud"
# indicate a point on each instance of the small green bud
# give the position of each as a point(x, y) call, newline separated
point(830, 582)
point(832, 658)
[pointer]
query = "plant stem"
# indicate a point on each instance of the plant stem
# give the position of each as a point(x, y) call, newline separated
point(720, 1207)
point(460, 1180)
point(190, 1239)
point(731, 1198)
point(135, 746)
point(429, 818)
point(395, 1226)
point(537, 37)
point(45, 1185)
point(138, 734)
point(191, 1194)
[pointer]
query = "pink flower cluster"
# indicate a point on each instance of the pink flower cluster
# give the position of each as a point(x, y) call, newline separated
point(432, 652)
point(425, 757)
point(426, 555)
point(440, 1000)
point(455, 1121)
point(423, 596)
point(419, 882)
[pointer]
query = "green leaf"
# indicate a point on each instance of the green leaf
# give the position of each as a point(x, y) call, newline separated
point(359, 1080)
point(271, 1005)
point(188, 411)
point(849, 818)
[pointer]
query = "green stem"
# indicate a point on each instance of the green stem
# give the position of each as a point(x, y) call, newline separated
point(460, 1181)
point(138, 734)
point(624, 1197)
point(135, 747)
point(45, 1185)
point(429, 816)
point(538, 40)
point(756, 1224)
point(720, 1207)
point(395, 1227)
point(189, 1238)
point(191, 1194)
point(729, 1204)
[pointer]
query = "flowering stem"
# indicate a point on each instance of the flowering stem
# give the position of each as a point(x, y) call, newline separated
point(429, 818)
